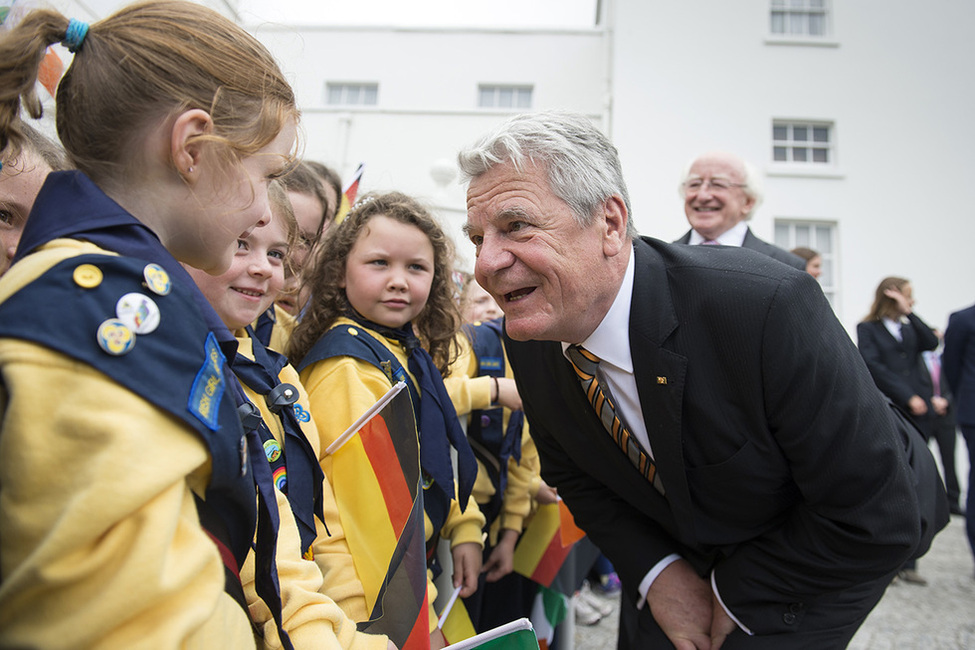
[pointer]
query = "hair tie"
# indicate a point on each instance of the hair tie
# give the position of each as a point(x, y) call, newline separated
point(75, 35)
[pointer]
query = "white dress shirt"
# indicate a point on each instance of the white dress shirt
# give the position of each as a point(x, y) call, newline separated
point(734, 236)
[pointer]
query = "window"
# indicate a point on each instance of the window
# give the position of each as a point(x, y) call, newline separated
point(802, 142)
point(351, 94)
point(495, 96)
point(820, 236)
point(800, 18)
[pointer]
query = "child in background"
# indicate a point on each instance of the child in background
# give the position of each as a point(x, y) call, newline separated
point(128, 507)
point(484, 393)
point(21, 178)
point(308, 204)
point(384, 269)
point(289, 436)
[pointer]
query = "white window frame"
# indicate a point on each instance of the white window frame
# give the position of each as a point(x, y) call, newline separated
point(497, 92)
point(351, 93)
point(797, 25)
point(810, 146)
point(822, 236)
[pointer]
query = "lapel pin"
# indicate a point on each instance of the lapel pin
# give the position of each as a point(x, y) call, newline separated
point(661, 380)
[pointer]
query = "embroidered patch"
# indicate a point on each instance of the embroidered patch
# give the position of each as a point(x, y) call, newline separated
point(209, 385)
point(281, 478)
point(302, 414)
point(490, 363)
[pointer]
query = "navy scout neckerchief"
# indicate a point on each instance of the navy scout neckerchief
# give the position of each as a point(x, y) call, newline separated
point(302, 472)
point(492, 443)
point(437, 420)
point(71, 205)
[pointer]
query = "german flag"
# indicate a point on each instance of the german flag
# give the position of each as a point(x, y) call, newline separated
point(376, 480)
point(347, 200)
point(546, 543)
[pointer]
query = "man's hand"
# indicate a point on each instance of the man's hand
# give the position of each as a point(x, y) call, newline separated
point(917, 405)
point(467, 566)
point(681, 603)
point(501, 561)
point(940, 404)
point(721, 623)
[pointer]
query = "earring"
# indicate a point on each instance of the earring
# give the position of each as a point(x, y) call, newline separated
point(189, 170)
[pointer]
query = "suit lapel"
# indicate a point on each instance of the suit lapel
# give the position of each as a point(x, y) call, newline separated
point(660, 377)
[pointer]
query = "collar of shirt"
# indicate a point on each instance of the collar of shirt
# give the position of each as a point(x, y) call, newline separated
point(894, 327)
point(734, 236)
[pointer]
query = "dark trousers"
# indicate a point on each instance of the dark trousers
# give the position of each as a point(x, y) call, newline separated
point(826, 625)
point(969, 434)
point(945, 434)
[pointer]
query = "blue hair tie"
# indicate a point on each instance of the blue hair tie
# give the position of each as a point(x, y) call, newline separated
point(75, 35)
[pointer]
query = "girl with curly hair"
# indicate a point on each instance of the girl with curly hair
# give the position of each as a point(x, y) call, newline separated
point(385, 270)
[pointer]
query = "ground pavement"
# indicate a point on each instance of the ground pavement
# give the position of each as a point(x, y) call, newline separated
point(940, 616)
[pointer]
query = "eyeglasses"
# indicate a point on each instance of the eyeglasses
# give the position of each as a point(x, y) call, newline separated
point(695, 185)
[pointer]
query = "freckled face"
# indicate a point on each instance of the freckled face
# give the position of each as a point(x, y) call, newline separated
point(544, 269)
point(20, 181)
point(254, 279)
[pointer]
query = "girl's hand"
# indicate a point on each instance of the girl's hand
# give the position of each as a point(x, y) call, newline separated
point(547, 494)
point(903, 304)
point(501, 561)
point(508, 396)
point(467, 566)
point(437, 640)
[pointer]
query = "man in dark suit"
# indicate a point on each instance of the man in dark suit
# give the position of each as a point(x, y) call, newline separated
point(958, 359)
point(720, 192)
point(780, 498)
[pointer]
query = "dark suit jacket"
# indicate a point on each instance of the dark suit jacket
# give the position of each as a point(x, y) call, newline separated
point(958, 361)
point(897, 366)
point(754, 243)
point(782, 463)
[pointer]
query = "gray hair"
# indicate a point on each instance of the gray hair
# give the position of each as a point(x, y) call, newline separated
point(751, 179)
point(581, 164)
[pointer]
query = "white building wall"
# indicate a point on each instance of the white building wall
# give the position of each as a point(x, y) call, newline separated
point(427, 101)
point(693, 76)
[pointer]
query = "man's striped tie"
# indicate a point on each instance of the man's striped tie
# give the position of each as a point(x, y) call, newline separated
point(585, 364)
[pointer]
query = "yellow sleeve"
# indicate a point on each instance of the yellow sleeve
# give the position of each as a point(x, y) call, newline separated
point(467, 391)
point(341, 582)
point(462, 527)
point(341, 389)
point(281, 332)
point(101, 543)
point(330, 549)
point(311, 619)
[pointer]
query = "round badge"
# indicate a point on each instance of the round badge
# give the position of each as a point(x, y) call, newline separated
point(115, 338)
point(157, 279)
point(87, 276)
point(272, 449)
point(138, 311)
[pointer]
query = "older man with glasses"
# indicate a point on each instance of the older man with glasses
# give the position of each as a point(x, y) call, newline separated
point(720, 192)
